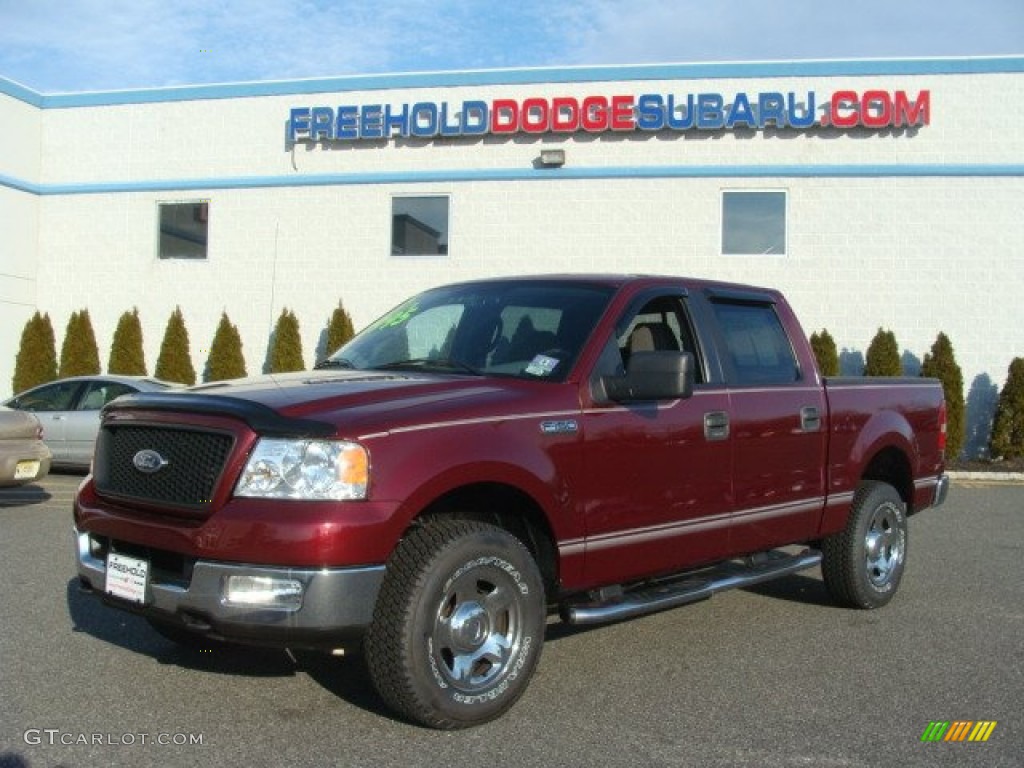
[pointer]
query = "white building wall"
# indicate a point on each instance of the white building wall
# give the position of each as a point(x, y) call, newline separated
point(19, 226)
point(910, 251)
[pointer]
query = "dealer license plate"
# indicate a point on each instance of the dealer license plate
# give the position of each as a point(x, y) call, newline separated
point(126, 577)
point(26, 470)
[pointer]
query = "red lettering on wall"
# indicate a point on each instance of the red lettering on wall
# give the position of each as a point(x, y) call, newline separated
point(504, 116)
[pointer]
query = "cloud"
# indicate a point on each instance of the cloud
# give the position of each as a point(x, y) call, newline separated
point(105, 44)
point(742, 30)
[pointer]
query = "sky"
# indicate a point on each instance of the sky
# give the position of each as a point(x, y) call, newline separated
point(93, 45)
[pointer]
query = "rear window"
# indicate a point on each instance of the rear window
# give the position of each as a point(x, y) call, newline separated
point(756, 342)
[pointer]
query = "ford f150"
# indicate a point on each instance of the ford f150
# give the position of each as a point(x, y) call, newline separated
point(489, 453)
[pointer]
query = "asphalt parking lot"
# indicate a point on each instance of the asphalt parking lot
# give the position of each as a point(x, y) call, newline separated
point(771, 676)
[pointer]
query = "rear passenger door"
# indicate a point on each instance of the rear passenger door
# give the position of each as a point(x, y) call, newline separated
point(777, 422)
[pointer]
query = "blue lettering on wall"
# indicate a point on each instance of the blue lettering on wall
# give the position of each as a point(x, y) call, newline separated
point(710, 114)
point(650, 112)
point(298, 122)
point(347, 126)
point(771, 106)
point(371, 122)
point(424, 119)
point(446, 128)
point(680, 119)
point(393, 120)
point(806, 119)
point(475, 118)
point(740, 112)
point(322, 123)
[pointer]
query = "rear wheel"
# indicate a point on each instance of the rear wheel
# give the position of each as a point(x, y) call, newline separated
point(458, 626)
point(862, 565)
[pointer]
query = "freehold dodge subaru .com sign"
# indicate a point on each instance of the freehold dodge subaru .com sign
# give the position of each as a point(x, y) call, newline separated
point(873, 109)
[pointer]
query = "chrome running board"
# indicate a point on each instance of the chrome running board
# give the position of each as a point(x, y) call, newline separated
point(614, 604)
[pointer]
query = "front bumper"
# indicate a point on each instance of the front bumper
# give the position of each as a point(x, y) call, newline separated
point(336, 606)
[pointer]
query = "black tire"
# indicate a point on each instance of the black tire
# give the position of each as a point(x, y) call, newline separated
point(862, 566)
point(459, 624)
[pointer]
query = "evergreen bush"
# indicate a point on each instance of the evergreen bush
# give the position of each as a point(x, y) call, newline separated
point(126, 355)
point(825, 353)
point(175, 360)
point(79, 355)
point(940, 363)
point(883, 356)
point(339, 330)
point(286, 345)
point(36, 361)
point(226, 360)
point(1008, 427)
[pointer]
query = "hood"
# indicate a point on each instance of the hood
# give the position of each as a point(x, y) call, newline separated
point(335, 402)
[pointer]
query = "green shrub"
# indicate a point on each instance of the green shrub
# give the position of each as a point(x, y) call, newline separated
point(286, 345)
point(825, 353)
point(175, 360)
point(36, 361)
point(883, 356)
point(226, 360)
point(1008, 427)
point(79, 355)
point(339, 330)
point(941, 364)
point(126, 355)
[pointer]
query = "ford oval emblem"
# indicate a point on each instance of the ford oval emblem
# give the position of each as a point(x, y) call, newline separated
point(149, 461)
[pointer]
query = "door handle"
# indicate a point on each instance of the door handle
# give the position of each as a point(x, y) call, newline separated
point(810, 419)
point(716, 425)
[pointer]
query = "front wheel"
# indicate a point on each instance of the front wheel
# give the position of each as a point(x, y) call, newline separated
point(459, 624)
point(862, 565)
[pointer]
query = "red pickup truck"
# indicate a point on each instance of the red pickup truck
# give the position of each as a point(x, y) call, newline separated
point(491, 452)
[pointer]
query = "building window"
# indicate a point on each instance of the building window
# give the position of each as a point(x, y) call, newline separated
point(419, 226)
point(183, 229)
point(753, 223)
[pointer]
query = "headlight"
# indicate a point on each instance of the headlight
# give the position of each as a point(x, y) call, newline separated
point(305, 469)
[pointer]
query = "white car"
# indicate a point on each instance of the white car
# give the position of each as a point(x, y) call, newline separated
point(23, 455)
point(69, 411)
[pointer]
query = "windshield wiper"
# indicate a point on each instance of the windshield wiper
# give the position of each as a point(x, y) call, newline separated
point(334, 362)
point(431, 362)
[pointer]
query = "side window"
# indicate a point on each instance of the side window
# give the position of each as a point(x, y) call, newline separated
point(756, 343)
point(661, 324)
point(55, 397)
point(100, 393)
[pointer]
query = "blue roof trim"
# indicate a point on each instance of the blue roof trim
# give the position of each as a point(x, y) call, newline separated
point(860, 67)
point(518, 174)
point(20, 185)
point(20, 92)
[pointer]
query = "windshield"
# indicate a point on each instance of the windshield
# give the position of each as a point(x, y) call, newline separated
point(532, 330)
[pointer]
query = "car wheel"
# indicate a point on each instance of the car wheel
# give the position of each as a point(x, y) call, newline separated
point(862, 565)
point(459, 624)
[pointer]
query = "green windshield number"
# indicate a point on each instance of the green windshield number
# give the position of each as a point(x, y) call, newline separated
point(400, 316)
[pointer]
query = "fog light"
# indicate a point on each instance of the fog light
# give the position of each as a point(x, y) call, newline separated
point(265, 591)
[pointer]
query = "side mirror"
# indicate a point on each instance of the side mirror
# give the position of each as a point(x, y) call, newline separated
point(649, 376)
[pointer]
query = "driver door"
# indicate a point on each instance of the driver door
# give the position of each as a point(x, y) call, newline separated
point(660, 481)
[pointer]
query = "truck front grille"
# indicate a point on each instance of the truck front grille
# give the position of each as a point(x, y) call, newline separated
point(189, 464)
